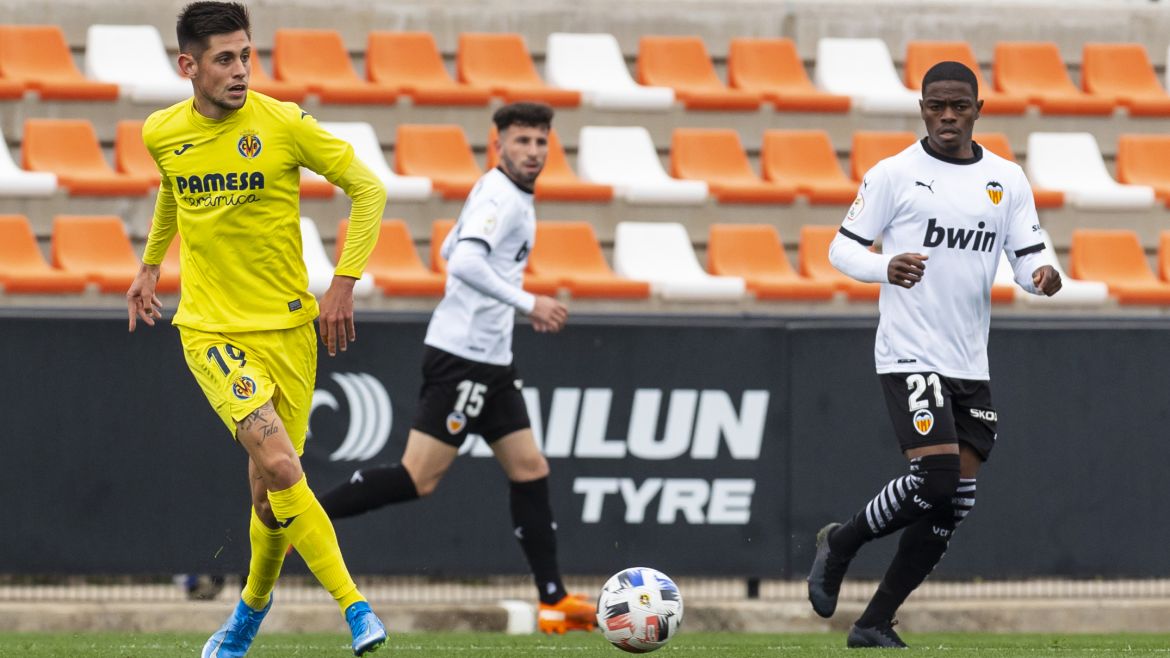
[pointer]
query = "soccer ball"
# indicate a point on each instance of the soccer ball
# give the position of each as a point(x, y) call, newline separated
point(639, 609)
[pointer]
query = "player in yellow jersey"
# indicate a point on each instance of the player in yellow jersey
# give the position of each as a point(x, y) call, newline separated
point(230, 161)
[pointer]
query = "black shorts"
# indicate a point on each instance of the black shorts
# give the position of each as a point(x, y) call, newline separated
point(929, 409)
point(460, 396)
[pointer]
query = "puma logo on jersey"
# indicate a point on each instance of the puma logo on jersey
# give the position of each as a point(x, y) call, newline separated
point(523, 253)
point(930, 187)
point(287, 522)
point(958, 238)
point(181, 151)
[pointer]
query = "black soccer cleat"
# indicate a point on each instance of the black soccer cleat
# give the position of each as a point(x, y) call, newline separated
point(828, 570)
point(881, 636)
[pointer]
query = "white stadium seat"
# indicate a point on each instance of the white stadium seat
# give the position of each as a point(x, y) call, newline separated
point(134, 58)
point(864, 70)
point(321, 268)
point(1073, 292)
point(593, 64)
point(15, 181)
point(367, 149)
point(1072, 163)
point(625, 158)
point(661, 254)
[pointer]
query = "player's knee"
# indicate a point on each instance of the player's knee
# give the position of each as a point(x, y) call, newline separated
point(939, 480)
point(426, 484)
point(530, 468)
point(280, 471)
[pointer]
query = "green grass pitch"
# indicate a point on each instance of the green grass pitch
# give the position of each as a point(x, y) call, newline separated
point(579, 645)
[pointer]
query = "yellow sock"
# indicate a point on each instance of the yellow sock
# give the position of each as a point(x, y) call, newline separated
point(309, 530)
point(268, 549)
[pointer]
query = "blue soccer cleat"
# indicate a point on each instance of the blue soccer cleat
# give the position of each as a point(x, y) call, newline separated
point(233, 639)
point(368, 631)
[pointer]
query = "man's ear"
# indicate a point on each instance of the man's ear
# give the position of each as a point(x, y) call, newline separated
point(188, 67)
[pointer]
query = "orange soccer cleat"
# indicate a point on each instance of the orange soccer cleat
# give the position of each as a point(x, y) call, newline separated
point(575, 612)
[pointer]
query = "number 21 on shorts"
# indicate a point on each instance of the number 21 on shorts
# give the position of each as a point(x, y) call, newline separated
point(917, 385)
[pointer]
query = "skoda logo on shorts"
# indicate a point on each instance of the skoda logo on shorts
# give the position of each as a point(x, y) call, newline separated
point(923, 421)
point(370, 415)
point(244, 387)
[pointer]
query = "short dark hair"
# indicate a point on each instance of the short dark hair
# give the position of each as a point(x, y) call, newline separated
point(956, 71)
point(200, 20)
point(537, 115)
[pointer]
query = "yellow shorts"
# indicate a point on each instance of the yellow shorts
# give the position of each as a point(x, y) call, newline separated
point(240, 371)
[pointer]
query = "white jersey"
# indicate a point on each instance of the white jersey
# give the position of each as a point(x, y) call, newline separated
point(467, 322)
point(960, 213)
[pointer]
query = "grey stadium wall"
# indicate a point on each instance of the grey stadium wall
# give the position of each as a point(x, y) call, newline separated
point(697, 445)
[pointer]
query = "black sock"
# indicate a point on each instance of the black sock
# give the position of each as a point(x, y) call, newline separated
point(369, 489)
point(920, 549)
point(930, 485)
point(533, 525)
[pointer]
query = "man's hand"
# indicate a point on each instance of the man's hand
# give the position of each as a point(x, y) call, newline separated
point(336, 319)
point(548, 315)
point(906, 269)
point(1047, 280)
point(141, 301)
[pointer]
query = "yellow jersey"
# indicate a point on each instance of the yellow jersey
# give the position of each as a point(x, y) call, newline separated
point(231, 189)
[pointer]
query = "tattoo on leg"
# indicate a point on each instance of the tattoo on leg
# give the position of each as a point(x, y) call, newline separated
point(262, 421)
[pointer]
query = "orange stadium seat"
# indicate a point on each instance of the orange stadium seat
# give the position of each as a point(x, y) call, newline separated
point(130, 154)
point(682, 63)
point(1116, 258)
point(316, 187)
point(873, 146)
point(558, 181)
point(815, 265)
point(772, 69)
point(410, 62)
point(38, 57)
point(22, 266)
point(168, 278)
point(318, 60)
point(921, 55)
point(533, 283)
point(997, 143)
point(96, 247)
point(569, 253)
point(440, 153)
point(395, 263)
point(755, 253)
point(10, 89)
point(1035, 70)
point(501, 63)
point(1122, 72)
point(1164, 255)
point(260, 81)
point(439, 230)
point(805, 159)
point(70, 149)
point(716, 156)
point(1141, 160)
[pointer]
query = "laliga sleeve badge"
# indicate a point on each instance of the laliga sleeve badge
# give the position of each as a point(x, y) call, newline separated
point(244, 387)
point(456, 421)
point(856, 208)
point(923, 421)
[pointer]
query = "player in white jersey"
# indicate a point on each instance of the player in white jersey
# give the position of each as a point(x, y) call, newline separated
point(469, 382)
point(946, 201)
